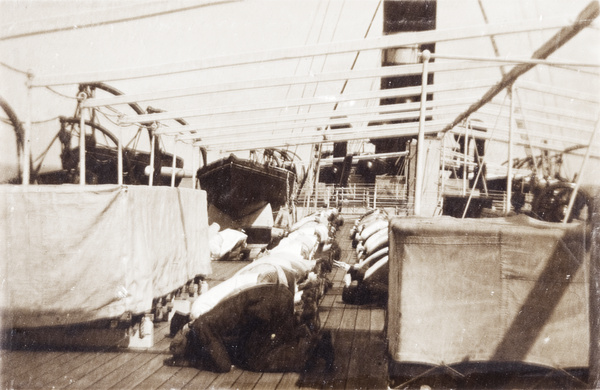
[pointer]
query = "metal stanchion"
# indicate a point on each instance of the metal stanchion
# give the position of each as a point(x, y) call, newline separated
point(152, 157)
point(194, 166)
point(421, 139)
point(594, 300)
point(120, 157)
point(174, 165)
point(509, 173)
point(27, 135)
point(82, 96)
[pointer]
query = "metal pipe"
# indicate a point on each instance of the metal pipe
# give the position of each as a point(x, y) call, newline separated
point(317, 173)
point(152, 157)
point(120, 157)
point(327, 161)
point(168, 172)
point(509, 172)
point(194, 148)
point(515, 60)
point(594, 299)
point(27, 135)
point(421, 137)
point(375, 195)
point(174, 165)
point(442, 182)
point(465, 159)
point(82, 146)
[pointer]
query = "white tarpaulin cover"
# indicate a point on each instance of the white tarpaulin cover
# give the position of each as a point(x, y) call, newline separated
point(72, 254)
point(511, 289)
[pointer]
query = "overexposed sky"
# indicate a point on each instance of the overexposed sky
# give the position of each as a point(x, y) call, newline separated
point(210, 31)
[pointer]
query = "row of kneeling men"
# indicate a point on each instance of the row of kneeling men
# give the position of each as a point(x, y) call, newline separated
point(265, 317)
point(367, 280)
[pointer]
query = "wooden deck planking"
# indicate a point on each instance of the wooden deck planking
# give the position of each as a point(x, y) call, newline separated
point(247, 380)
point(269, 381)
point(32, 377)
point(14, 363)
point(94, 376)
point(360, 358)
point(226, 380)
point(85, 367)
point(334, 318)
point(180, 378)
point(338, 317)
point(377, 367)
point(202, 380)
point(342, 343)
point(136, 362)
point(223, 270)
point(138, 376)
point(161, 375)
point(64, 370)
point(152, 360)
point(289, 380)
point(357, 373)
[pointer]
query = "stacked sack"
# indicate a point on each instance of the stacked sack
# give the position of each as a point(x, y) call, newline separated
point(367, 280)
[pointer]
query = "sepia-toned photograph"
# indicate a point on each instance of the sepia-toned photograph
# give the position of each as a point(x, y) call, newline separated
point(300, 194)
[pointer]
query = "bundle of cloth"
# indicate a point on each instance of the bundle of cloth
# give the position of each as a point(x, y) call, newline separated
point(226, 244)
point(265, 317)
point(367, 280)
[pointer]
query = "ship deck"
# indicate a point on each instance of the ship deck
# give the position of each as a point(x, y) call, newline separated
point(358, 337)
point(361, 360)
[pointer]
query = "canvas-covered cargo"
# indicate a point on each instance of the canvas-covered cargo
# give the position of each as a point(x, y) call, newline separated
point(71, 254)
point(512, 289)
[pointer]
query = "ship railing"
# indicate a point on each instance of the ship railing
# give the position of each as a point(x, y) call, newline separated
point(357, 198)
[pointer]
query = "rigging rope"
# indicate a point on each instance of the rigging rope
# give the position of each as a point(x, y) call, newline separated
point(39, 122)
point(117, 19)
point(60, 94)
point(13, 68)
